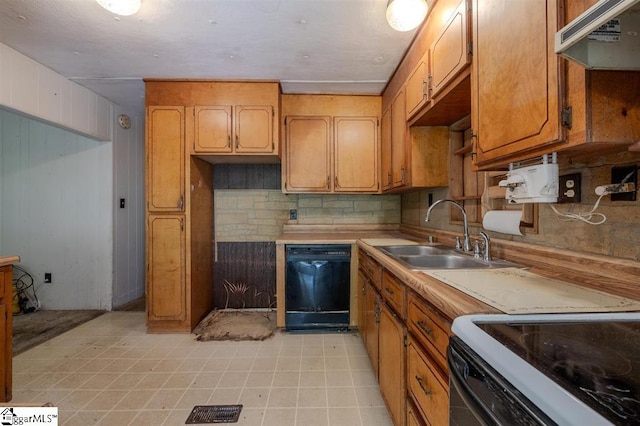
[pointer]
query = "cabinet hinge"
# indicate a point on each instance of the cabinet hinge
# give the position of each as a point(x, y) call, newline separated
point(273, 146)
point(285, 121)
point(470, 48)
point(406, 341)
point(567, 117)
point(378, 122)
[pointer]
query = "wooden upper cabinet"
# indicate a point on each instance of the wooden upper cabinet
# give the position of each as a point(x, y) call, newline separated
point(450, 52)
point(212, 129)
point(166, 282)
point(240, 129)
point(331, 154)
point(165, 158)
point(385, 150)
point(418, 87)
point(398, 141)
point(308, 154)
point(516, 84)
point(356, 154)
point(254, 129)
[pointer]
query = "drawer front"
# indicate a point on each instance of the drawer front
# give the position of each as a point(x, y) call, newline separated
point(394, 293)
point(429, 329)
point(427, 387)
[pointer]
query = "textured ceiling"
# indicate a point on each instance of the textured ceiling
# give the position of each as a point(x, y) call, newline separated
point(312, 46)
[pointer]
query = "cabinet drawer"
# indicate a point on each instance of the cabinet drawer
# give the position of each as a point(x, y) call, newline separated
point(427, 387)
point(429, 329)
point(394, 293)
point(370, 268)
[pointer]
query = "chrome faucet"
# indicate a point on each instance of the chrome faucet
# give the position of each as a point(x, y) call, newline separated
point(486, 253)
point(466, 245)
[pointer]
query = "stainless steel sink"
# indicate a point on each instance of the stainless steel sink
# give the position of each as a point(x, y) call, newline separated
point(443, 261)
point(439, 257)
point(419, 250)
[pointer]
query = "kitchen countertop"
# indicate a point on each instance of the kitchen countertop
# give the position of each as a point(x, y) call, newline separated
point(9, 260)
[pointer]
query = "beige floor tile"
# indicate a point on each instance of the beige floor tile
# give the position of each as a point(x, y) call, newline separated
point(110, 371)
point(375, 416)
point(341, 397)
point(225, 396)
point(254, 397)
point(181, 380)
point(126, 381)
point(178, 417)
point(153, 381)
point(106, 400)
point(369, 396)
point(251, 416)
point(193, 397)
point(312, 417)
point(76, 400)
point(206, 380)
point(264, 364)
point(312, 397)
point(165, 399)
point(100, 381)
point(283, 397)
point(240, 364)
point(150, 418)
point(312, 379)
point(286, 379)
point(135, 399)
point(279, 417)
point(85, 418)
point(259, 379)
point(345, 417)
point(288, 364)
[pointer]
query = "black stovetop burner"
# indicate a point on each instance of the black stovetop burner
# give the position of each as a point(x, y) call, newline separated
point(597, 362)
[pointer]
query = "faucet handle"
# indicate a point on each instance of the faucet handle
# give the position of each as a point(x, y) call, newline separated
point(477, 251)
point(458, 243)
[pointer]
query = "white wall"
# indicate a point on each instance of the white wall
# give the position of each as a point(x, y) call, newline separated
point(57, 191)
point(100, 245)
point(128, 245)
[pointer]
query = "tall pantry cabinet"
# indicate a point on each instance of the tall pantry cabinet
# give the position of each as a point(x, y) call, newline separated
point(190, 125)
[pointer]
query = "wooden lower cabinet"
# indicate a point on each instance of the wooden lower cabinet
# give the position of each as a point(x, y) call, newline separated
point(6, 347)
point(391, 359)
point(372, 324)
point(427, 387)
point(413, 416)
point(166, 298)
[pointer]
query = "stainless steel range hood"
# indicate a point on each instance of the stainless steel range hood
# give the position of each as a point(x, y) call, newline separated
point(605, 36)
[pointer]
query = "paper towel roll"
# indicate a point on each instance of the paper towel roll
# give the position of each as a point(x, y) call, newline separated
point(504, 221)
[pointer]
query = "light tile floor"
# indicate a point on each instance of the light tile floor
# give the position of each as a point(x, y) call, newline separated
point(110, 372)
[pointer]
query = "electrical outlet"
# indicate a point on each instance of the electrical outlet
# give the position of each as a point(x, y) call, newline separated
point(48, 278)
point(569, 191)
point(630, 175)
point(293, 214)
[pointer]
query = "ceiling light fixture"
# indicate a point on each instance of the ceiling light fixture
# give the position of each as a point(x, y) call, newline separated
point(405, 15)
point(121, 7)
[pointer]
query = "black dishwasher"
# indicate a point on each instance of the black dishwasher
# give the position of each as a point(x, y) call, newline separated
point(317, 287)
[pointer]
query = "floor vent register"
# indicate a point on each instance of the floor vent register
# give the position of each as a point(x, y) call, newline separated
point(214, 414)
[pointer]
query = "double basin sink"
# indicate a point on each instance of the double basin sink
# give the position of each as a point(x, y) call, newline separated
point(423, 257)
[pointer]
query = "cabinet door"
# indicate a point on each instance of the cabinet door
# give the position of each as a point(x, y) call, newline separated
point(516, 78)
point(372, 320)
point(385, 150)
point(398, 141)
point(212, 129)
point(417, 87)
point(308, 154)
point(449, 52)
point(356, 154)
point(362, 305)
point(392, 365)
point(254, 129)
point(166, 289)
point(165, 158)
